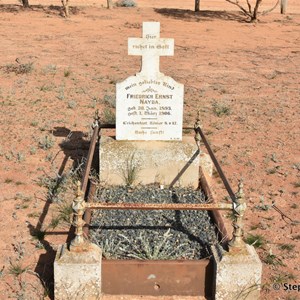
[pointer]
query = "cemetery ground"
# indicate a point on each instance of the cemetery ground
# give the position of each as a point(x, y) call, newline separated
point(54, 74)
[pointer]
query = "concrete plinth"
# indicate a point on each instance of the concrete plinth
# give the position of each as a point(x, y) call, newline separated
point(77, 274)
point(237, 274)
point(169, 163)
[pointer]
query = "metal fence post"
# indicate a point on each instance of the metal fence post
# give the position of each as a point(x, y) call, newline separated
point(239, 208)
point(78, 206)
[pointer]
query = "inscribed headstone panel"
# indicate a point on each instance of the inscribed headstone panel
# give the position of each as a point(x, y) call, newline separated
point(149, 105)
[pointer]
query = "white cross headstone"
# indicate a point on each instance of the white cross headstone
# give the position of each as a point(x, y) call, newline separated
point(149, 105)
point(150, 47)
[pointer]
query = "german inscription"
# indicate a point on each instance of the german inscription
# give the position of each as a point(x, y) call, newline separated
point(149, 105)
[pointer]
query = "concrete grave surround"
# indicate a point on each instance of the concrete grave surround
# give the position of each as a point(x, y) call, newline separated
point(237, 275)
point(149, 105)
point(77, 274)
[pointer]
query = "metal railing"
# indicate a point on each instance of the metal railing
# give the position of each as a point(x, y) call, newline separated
point(82, 208)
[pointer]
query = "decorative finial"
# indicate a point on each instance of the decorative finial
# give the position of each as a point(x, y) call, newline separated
point(79, 191)
point(240, 193)
point(197, 128)
point(198, 115)
point(96, 119)
point(239, 207)
point(78, 207)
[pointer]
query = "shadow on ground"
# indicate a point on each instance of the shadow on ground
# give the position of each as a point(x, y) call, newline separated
point(205, 15)
point(75, 147)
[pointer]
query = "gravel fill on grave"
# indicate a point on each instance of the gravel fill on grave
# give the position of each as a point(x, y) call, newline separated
point(152, 234)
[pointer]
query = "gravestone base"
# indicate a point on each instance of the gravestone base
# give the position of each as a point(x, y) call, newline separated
point(167, 163)
point(77, 274)
point(237, 274)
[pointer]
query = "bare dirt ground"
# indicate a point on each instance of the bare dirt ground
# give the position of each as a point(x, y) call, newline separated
point(54, 74)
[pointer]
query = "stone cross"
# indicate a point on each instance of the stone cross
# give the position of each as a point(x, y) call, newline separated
point(150, 47)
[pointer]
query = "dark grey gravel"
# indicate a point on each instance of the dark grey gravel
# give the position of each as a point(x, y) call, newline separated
point(128, 234)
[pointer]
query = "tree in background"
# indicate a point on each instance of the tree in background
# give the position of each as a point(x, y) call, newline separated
point(109, 4)
point(283, 6)
point(251, 12)
point(25, 3)
point(65, 4)
point(197, 5)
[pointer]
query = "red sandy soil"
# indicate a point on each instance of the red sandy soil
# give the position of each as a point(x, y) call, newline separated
point(251, 69)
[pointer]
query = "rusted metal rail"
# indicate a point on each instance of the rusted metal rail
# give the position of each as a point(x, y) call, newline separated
point(159, 206)
point(88, 213)
point(238, 204)
point(89, 160)
point(214, 159)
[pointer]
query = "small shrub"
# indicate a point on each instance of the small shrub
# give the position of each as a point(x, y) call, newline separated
point(221, 109)
point(126, 3)
point(46, 87)
point(46, 142)
point(16, 268)
point(19, 68)
point(296, 237)
point(109, 116)
point(271, 170)
point(297, 184)
point(9, 156)
point(283, 277)
point(19, 249)
point(296, 166)
point(72, 104)
point(54, 222)
point(34, 123)
point(49, 69)
point(262, 205)
point(64, 215)
point(61, 93)
point(109, 247)
point(65, 212)
point(55, 186)
point(272, 259)
point(131, 170)
point(49, 157)
point(109, 100)
point(20, 157)
point(256, 240)
point(287, 247)
point(33, 215)
point(32, 150)
point(145, 250)
point(67, 73)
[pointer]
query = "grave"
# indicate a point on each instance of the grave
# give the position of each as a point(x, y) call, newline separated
point(149, 150)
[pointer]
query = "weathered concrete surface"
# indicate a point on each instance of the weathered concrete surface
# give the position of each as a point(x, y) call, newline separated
point(206, 164)
point(77, 275)
point(237, 274)
point(163, 162)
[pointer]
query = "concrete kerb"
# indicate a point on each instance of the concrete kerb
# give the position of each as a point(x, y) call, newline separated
point(237, 273)
point(77, 274)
